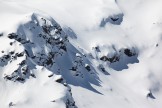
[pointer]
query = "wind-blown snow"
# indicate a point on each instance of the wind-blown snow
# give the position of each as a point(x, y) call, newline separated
point(104, 53)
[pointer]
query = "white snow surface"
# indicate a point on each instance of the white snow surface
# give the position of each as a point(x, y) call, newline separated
point(114, 66)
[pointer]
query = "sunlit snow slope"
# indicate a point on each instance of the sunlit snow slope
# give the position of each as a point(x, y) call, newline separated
point(99, 54)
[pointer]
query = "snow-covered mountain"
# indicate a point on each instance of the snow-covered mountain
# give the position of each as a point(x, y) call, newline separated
point(80, 54)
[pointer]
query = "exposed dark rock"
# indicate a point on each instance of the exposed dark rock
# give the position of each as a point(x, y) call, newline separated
point(102, 69)
point(115, 58)
point(46, 29)
point(33, 57)
point(25, 42)
point(88, 67)
point(8, 77)
point(65, 84)
point(63, 48)
point(19, 39)
point(53, 101)
point(6, 56)
point(22, 63)
point(27, 53)
point(111, 60)
point(129, 53)
point(114, 19)
point(150, 95)
point(59, 80)
point(11, 43)
point(70, 104)
point(49, 61)
point(11, 104)
point(50, 75)
point(74, 69)
point(59, 29)
point(12, 52)
point(77, 74)
point(33, 75)
point(97, 49)
point(20, 54)
point(1, 34)
point(12, 36)
point(104, 58)
point(20, 79)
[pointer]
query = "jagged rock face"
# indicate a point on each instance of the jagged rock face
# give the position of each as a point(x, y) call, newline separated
point(40, 61)
point(42, 41)
point(117, 59)
point(46, 44)
point(38, 41)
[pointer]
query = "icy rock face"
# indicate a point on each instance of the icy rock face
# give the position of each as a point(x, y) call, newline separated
point(38, 41)
point(117, 59)
point(42, 41)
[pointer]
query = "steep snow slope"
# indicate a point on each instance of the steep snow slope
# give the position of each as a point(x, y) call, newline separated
point(27, 56)
point(110, 57)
